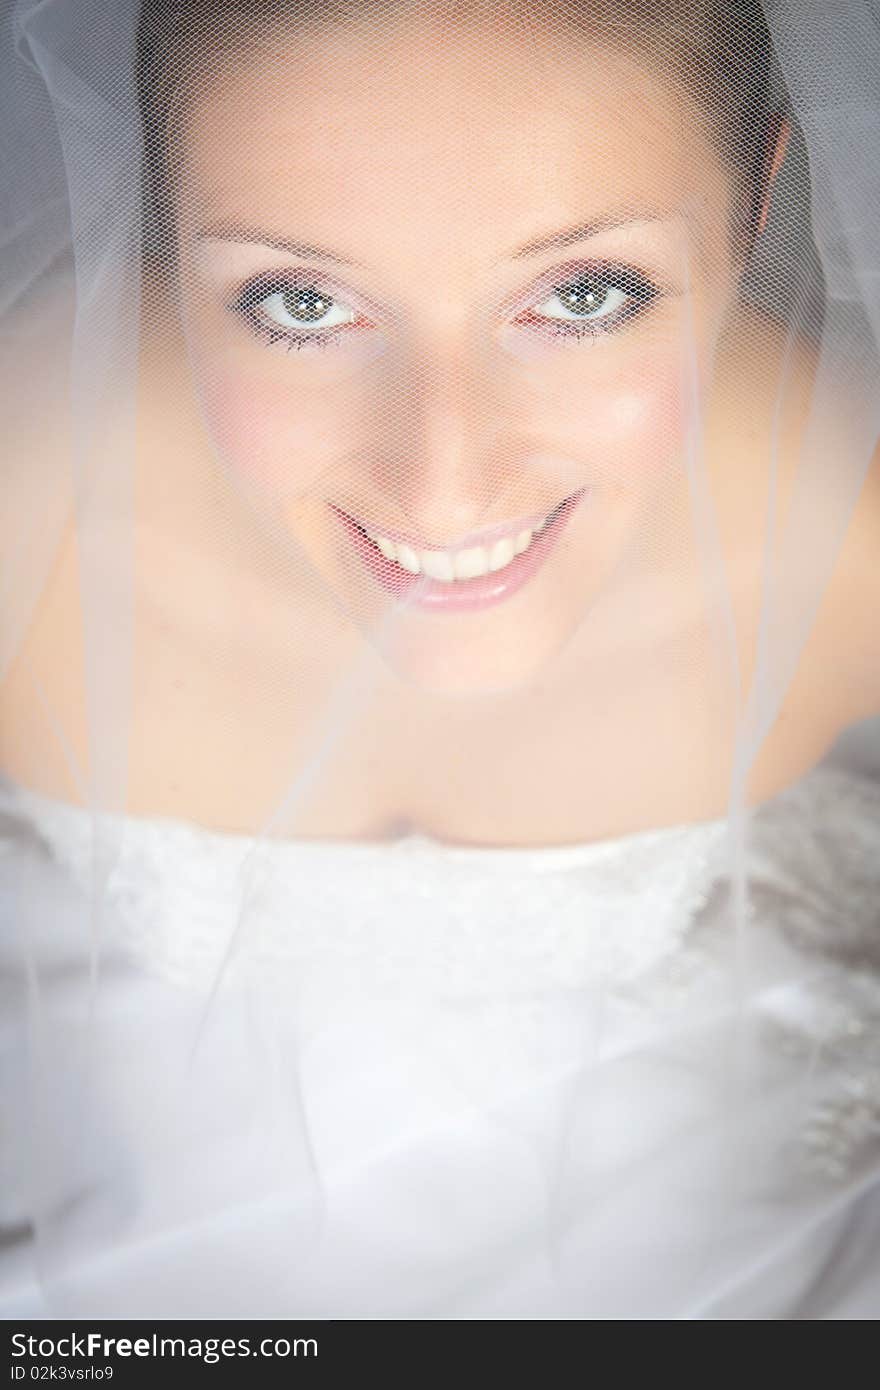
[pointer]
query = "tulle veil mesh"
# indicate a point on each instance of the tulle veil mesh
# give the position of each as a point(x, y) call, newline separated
point(194, 1092)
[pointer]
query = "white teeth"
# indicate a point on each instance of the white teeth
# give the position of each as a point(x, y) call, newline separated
point(437, 564)
point(449, 565)
point(409, 559)
point(501, 554)
point(471, 563)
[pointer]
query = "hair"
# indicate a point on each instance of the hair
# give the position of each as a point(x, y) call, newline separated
point(720, 51)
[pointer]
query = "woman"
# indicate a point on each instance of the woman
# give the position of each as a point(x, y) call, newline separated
point(436, 487)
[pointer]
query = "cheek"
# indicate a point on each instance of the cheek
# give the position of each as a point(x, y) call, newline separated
point(648, 423)
point(642, 421)
point(635, 425)
point(272, 434)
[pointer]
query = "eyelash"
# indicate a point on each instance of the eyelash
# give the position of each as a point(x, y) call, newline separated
point(247, 302)
point(642, 291)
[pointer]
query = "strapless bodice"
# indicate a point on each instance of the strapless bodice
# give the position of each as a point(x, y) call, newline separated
point(415, 1079)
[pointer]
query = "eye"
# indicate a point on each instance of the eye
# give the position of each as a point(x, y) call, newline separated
point(582, 299)
point(306, 307)
point(602, 297)
point(297, 310)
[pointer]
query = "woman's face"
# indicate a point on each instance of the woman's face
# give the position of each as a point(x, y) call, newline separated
point(436, 284)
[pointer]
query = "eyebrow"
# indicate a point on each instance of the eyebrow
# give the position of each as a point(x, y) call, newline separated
point(566, 236)
point(582, 231)
point(225, 232)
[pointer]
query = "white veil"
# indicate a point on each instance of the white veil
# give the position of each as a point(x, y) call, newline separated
point(255, 1063)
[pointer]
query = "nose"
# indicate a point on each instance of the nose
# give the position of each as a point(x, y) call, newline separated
point(447, 456)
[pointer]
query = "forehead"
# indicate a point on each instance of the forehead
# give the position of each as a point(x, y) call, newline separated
point(465, 140)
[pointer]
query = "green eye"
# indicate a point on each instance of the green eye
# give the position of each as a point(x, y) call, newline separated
point(593, 300)
point(297, 312)
point(295, 306)
point(585, 298)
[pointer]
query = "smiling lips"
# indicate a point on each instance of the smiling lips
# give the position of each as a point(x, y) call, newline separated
point(465, 578)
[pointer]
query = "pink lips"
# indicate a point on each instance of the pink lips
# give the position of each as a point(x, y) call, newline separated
point(464, 594)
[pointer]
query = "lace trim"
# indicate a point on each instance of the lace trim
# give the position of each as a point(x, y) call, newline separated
point(185, 899)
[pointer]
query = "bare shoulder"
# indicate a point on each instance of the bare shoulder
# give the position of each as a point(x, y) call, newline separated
point(849, 624)
point(36, 515)
point(35, 342)
point(826, 462)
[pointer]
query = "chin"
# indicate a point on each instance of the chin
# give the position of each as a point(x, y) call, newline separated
point(464, 658)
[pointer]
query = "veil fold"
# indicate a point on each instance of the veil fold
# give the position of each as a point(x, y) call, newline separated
point(259, 1059)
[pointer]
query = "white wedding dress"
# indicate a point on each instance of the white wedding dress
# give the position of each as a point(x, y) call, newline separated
point(445, 1082)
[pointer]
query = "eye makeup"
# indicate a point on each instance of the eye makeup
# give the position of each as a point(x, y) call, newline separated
point(295, 293)
point(583, 293)
point(593, 299)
